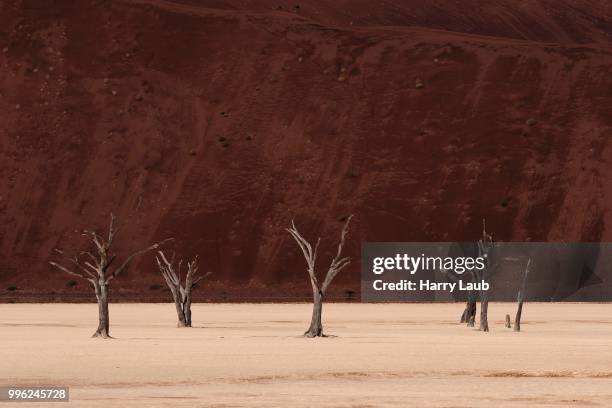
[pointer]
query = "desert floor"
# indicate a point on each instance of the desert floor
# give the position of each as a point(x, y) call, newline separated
point(237, 355)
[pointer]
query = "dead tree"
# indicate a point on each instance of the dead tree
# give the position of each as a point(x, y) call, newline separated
point(485, 244)
point(95, 267)
point(319, 289)
point(469, 313)
point(470, 310)
point(180, 293)
point(520, 297)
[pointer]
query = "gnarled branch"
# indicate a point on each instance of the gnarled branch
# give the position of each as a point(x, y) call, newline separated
point(181, 294)
point(309, 254)
point(125, 263)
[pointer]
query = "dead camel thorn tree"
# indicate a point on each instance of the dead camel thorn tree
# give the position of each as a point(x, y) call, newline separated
point(468, 316)
point(319, 289)
point(469, 313)
point(485, 244)
point(180, 293)
point(96, 268)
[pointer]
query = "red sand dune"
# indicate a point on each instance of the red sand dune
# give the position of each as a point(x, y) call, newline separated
point(217, 122)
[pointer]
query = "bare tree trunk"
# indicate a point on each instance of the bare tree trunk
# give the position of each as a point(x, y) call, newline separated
point(316, 328)
point(484, 319)
point(485, 245)
point(484, 305)
point(187, 310)
point(464, 315)
point(103, 316)
point(178, 304)
point(469, 313)
point(520, 298)
point(192, 268)
point(182, 321)
point(517, 319)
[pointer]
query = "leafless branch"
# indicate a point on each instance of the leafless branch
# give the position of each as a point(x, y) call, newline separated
point(309, 254)
point(125, 263)
point(199, 278)
point(68, 271)
point(337, 263)
point(111, 231)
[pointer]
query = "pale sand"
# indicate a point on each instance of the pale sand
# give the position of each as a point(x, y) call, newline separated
point(252, 355)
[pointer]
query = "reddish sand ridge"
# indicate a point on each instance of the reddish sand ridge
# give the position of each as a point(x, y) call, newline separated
point(563, 21)
point(216, 122)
